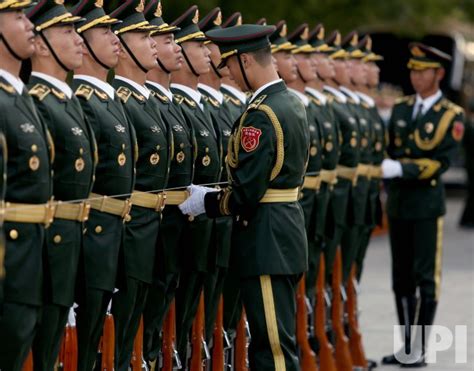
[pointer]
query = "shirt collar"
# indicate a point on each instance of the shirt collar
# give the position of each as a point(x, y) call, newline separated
point(368, 100)
point(427, 102)
point(216, 94)
point(262, 88)
point(317, 94)
point(240, 95)
point(141, 89)
point(301, 96)
point(336, 92)
point(13, 81)
point(102, 85)
point(58, 84)
point(350, 93)
point(194, 94)
point(162, 89)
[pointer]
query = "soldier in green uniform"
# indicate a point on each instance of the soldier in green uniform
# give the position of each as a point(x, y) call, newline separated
point(207, 168)
point(424, 131)
point(58, 51)
point(330, 149)
point(3, 188)
point(155, 150)
point(100, 271)
point(219, 254)
point(29, 186)
point(268, 230)
point(366, 92)
point(171, 247)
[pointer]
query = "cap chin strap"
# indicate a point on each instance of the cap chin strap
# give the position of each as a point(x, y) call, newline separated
point(162, 66)
point(191, 67)
point(244, 75)
point(216, 70)
point(94, 56)
point(10, 49)
point(134, 58)
point(301, 75)
point(55, 56)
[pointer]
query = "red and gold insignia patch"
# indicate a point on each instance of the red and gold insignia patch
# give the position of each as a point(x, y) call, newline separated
point(458, 131)
point(250, 138)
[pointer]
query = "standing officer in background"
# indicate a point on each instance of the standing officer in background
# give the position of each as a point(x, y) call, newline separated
point(171, 247)
point(59, 51)
point(28, 191)
point(266, 176)
point(155, 149)
point(425, 131)
point(100, 269)
point(207, 169)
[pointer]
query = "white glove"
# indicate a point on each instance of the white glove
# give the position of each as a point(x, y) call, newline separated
point(391, 169)
point(71, 318)
point(194, 205)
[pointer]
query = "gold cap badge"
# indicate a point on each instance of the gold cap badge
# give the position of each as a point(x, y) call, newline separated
point(159, 10)
point(196, 17)
point(141, 7)
point(218, 20)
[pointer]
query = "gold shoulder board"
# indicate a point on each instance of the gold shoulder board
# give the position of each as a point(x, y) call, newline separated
point(84, 91)
point(124, 93)
point(101, 95)
point(257, 102)
point(8, 88)
point(178, 98)
point(39, 91)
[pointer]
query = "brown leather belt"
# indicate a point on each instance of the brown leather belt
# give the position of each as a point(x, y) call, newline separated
point(155, 201)
point(29, 213)
point(110, 205)
point(78, 212)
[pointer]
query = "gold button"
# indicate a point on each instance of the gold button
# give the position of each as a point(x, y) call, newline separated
point(13, 234)
point(245, 223)
point(410, 137)
point(434, 182)
point(34, 148)
point(84, 231)
point(98, 229)
point(57, 239)
point(81, 151)
point(407, 151)
point(191, 218)
point(128, 217)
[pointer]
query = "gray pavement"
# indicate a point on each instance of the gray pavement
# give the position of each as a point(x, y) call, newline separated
point(456, 302)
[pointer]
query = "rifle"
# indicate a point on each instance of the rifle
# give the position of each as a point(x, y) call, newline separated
point(68, 351)
point(107, 343)
point(169, 340)
point(28, 365)
point(137, 353)
point(198, 344)
point(241, 357)
point(326, 357)
point(342, 355)
point(355, 336)
point(307, 356)
point(218, 358)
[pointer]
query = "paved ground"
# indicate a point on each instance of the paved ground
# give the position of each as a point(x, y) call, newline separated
point(457, 295)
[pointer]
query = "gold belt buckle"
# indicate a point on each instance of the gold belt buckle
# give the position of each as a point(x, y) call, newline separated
point(126, 209)
point(50, 210)
point(85, 208)
point(161, 202)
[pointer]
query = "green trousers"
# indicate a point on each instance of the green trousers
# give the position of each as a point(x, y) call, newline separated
point(270, 305)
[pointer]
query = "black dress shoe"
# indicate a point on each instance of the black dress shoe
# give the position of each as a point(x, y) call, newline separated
point(390, 360)
point(371, 364)
point(418, 364)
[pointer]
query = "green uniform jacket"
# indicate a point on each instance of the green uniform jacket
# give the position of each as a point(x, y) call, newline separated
point(233, 105)
point(28, 181)
point(425, 149)
point(73, 177)
point(155, 150)
point(173, 224)
point(3, 188)
point(115, 175)
point(269, 150)
point(207, 169)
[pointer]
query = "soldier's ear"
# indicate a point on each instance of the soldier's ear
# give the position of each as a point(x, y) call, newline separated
point(440, 73)
point(41, 49)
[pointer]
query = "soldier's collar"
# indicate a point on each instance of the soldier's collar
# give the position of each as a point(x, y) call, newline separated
point(216, 94)
point(304, 99)
point(140, 88)
point(58, 84)
point(262, 88)
point(336, 93)
point(351, 94)
point(427, 102)
point(102, 85)
point(13, 81)
point(162, 89)
point(317, 94)
point(240, 95)
point(366, 99)
point(195, 95)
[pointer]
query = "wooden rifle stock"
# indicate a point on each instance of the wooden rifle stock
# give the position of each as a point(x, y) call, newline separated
point(107, 344)
point(197, 338)
point(218, 358)
point(241, 344)
point(137, 353)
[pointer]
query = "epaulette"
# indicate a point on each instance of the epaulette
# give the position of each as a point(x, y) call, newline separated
point(257, 102)
point(445, 103)
point(315, 100)
point(84, 91)
point(234, 101)
point(102, 95)
point(190, 102)
point(365, 105)
point(124, 93)
point(58, 94)
point(161, 97)
point(214, 102)
point(179, 99)
point(39, 91)
point(138, 97)
point(409, 99)
point(7, 87)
